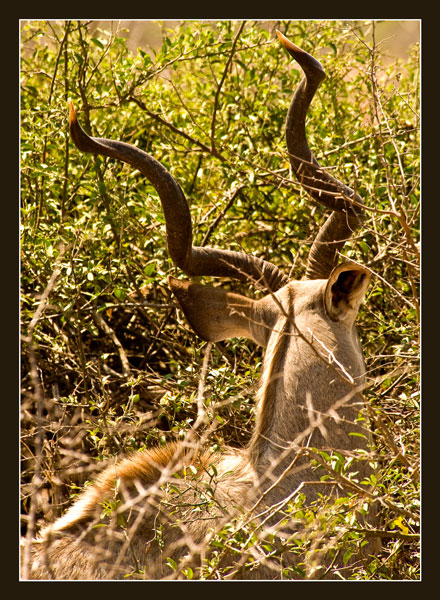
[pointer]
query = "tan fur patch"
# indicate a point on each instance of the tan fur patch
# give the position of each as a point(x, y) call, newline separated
point(144, 467)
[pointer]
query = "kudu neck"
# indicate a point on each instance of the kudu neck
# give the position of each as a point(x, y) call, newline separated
point(307, 397)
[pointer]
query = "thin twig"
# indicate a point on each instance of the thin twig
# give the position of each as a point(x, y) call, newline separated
point(201, 410)
point(219, 87)
point(175, 129)
point(232, 195)
point(39, 399)
point(105, 327)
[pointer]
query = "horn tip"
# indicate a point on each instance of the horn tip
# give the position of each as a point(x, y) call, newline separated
point(72, 113)
point(306, 60)
point(290, 46)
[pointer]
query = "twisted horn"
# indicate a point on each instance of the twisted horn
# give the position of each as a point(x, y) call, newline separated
point(319, 184)
point(193, 260)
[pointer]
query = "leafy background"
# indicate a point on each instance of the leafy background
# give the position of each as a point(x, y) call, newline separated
point(109, 364)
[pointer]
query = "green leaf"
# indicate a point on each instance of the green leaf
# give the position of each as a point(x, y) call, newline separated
point(97, 43)
point(120, 294)
point(149, 269)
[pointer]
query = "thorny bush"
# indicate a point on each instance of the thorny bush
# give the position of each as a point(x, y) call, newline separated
point(108, 363)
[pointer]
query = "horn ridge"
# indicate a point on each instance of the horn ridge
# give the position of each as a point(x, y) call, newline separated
point(316, 181)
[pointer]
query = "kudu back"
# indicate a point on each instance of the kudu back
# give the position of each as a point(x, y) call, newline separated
point(309, 395)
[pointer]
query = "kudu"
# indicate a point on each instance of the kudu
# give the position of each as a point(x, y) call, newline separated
point(309, 395)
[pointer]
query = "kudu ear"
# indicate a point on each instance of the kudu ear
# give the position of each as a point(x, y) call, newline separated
point(345, 291)
point(215, 314)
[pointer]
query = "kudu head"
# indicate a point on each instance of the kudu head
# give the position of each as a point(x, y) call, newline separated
point(300, 322)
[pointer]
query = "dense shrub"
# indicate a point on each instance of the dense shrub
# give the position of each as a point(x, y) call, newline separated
point(109, 364)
